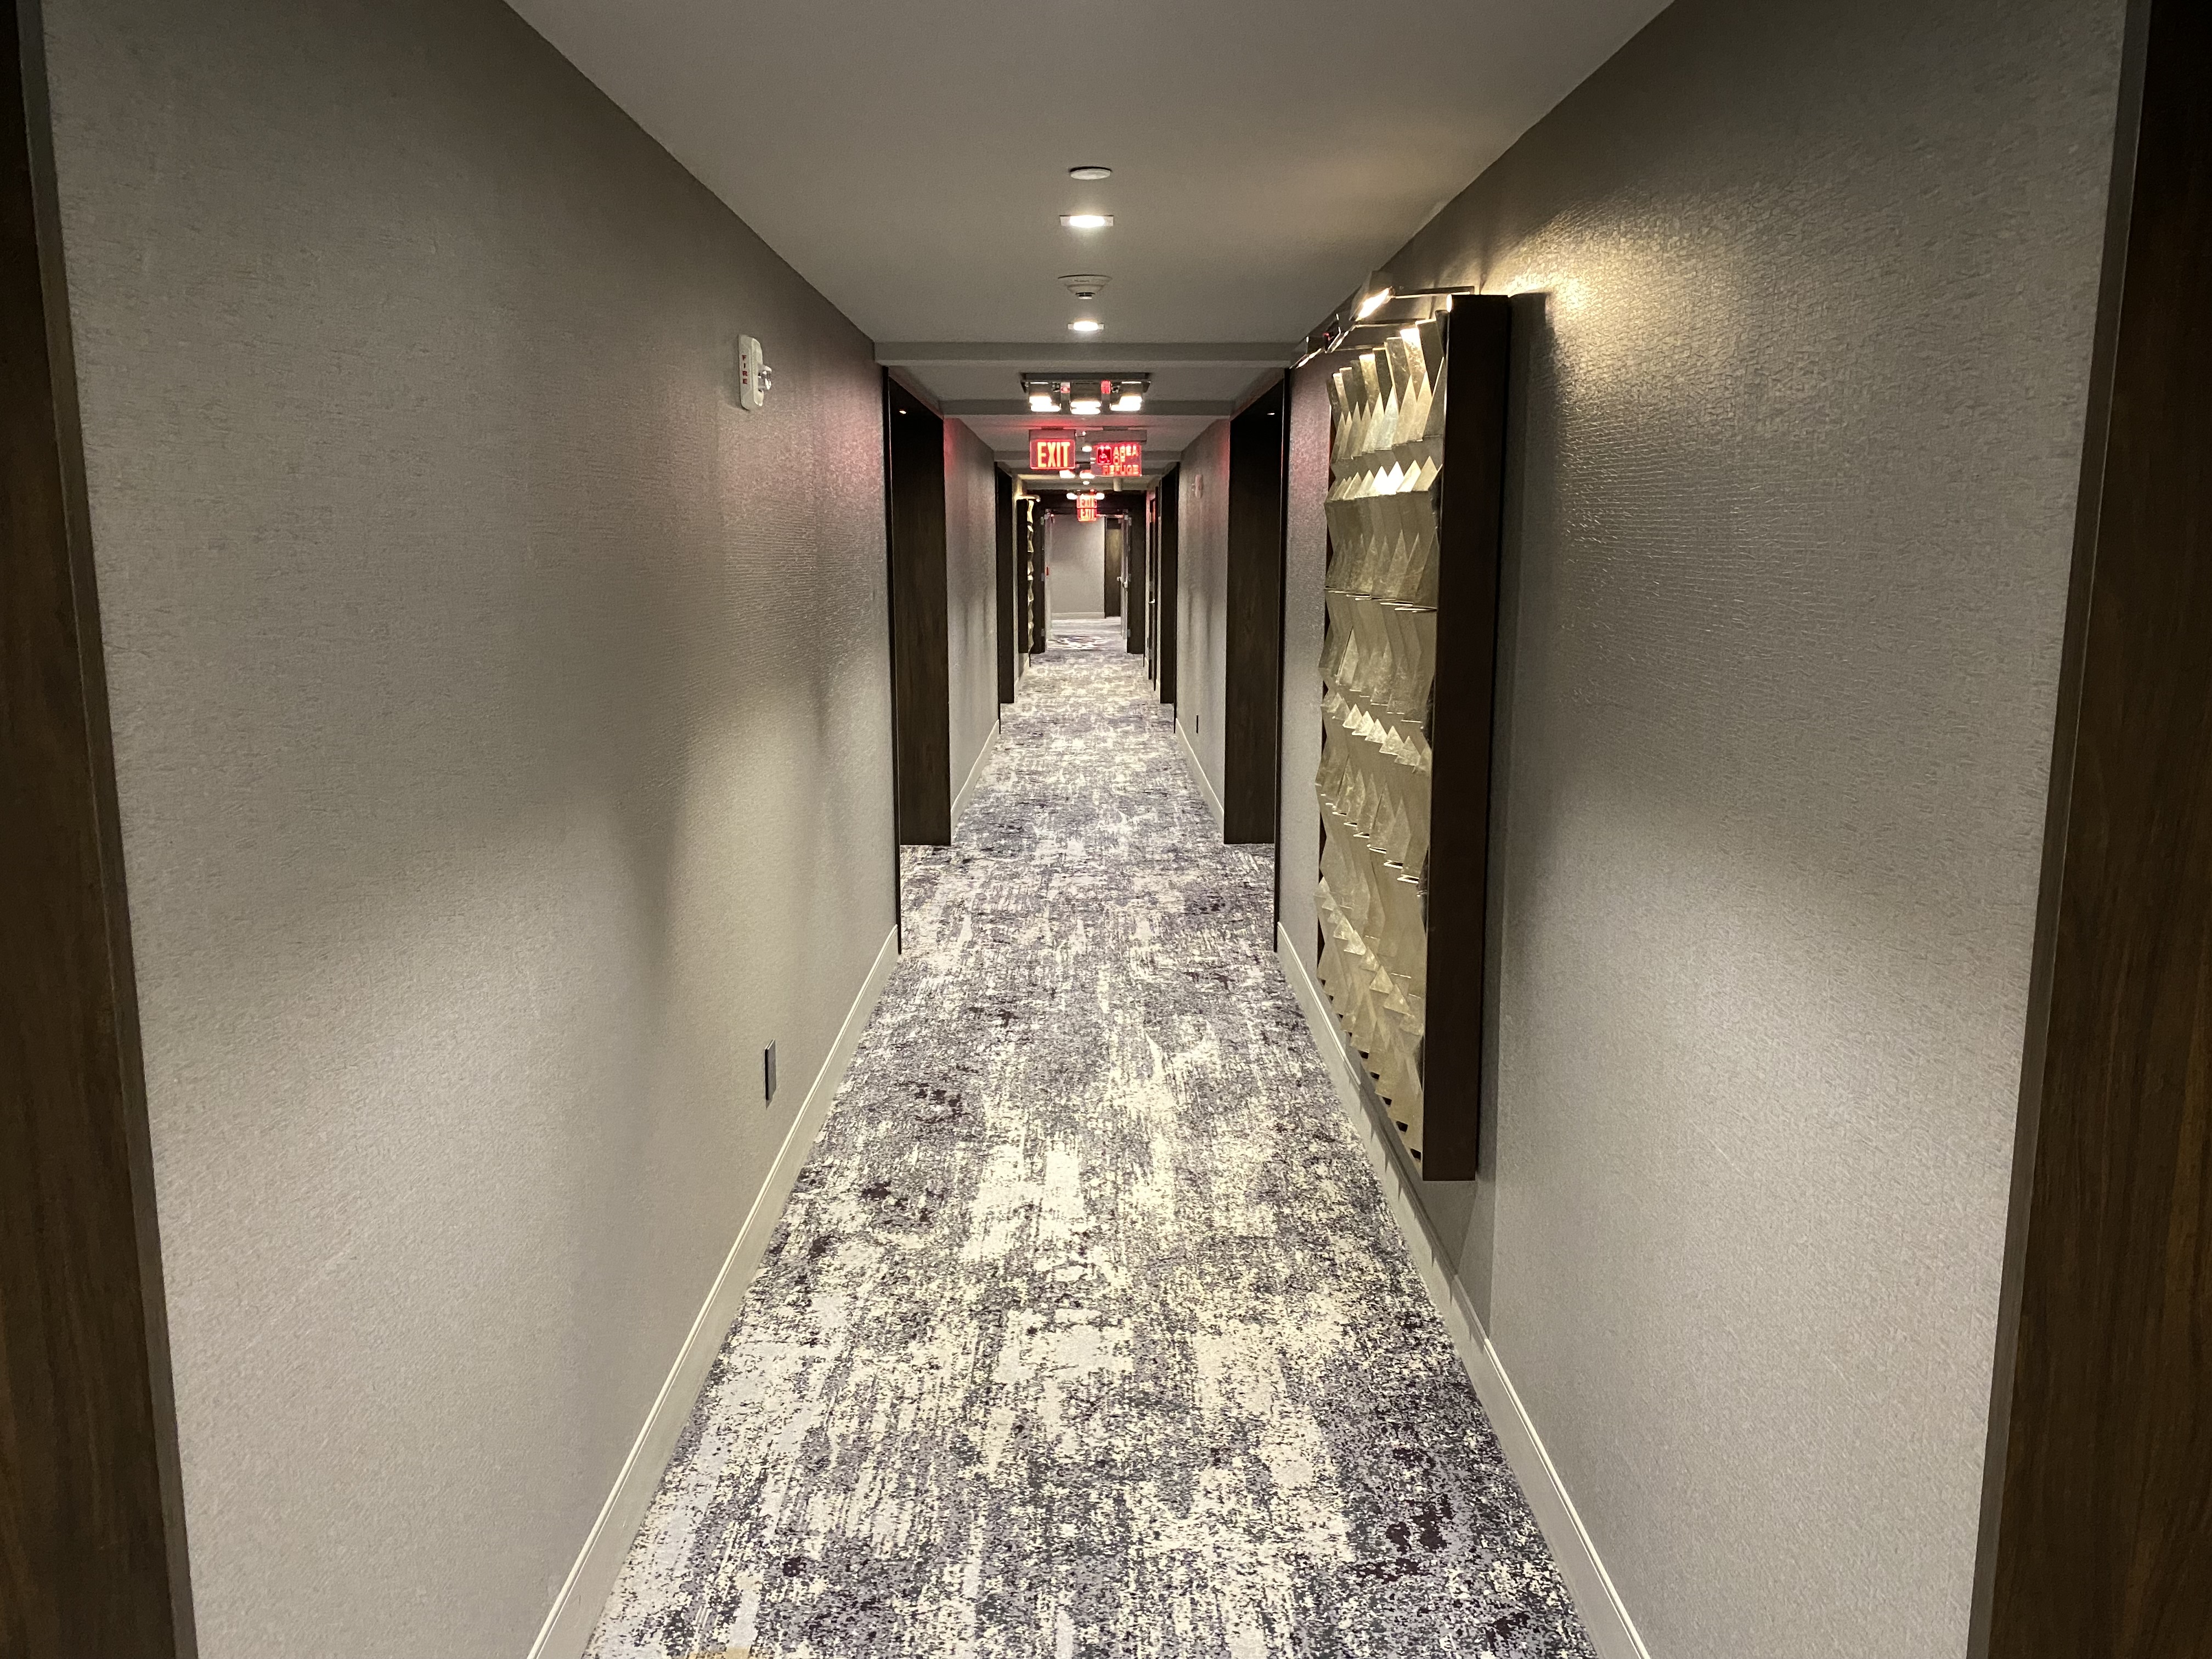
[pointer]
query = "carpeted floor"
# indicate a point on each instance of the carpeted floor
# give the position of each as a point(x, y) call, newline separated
point(1085, 1331)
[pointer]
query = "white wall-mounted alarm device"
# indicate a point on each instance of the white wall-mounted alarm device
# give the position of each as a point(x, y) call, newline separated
point(753, 375)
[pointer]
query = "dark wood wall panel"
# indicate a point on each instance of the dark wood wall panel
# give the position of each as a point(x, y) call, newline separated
point(2097, 1536)
point(1164, 598)
point(1010, 627)
point(1258, 460)
point(1138, 571)
point(920, 691)
point(92, 1540)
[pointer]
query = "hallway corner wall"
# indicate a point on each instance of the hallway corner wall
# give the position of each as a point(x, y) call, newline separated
point(1305, 568)
point(1201, 599)
point(502, 734)
point(971, 597)
point(1791, 506)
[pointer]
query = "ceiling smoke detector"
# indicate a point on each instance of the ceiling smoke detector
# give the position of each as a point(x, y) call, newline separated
point(1091, 174)
point(1084, 285)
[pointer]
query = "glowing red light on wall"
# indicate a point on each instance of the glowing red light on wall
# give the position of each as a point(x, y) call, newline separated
point(1051, 454)
point(1117, 459)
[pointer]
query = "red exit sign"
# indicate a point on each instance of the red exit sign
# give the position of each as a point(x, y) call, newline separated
point(1086, 509)
point(1052, 455)
point(1117, 459)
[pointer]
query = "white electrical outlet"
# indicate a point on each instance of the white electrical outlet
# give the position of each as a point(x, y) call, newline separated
point(753, 375)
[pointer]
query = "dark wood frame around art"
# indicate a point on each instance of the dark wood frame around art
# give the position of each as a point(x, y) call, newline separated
point(1470, 535)
point(92, 1528)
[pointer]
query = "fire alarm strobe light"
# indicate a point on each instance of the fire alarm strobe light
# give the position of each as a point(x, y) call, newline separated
point(755, 377)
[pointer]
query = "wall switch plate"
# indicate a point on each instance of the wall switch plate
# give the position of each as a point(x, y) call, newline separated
point(753, 375)
point(767, 1070)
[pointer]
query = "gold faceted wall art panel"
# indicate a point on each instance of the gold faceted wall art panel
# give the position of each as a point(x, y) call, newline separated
point(1378, 670)
point(1408, 649)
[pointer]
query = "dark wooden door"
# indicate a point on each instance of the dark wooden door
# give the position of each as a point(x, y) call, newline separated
point(1165, 589)
point(921, 737)
point(1252, 714)
point(1009, 581)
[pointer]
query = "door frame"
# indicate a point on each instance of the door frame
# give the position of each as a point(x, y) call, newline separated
point(2096, 1535)
point(92, 1520)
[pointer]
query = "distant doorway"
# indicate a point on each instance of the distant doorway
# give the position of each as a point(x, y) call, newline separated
point(1076, 554)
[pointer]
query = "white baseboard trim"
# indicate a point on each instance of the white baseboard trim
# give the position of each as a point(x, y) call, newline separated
point(1596, 1599)
point(568, 1628)
point(975, 776)
point(1198, 770)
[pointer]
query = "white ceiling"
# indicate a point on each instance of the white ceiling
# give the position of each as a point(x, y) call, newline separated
point(910, 157)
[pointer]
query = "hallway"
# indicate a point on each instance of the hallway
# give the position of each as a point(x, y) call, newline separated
point(904, 832)
point(1018, 1376)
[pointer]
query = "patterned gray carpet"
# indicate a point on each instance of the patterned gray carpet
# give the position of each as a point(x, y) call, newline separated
point(1085, 1331)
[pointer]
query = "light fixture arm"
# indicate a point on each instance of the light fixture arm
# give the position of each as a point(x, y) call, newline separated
point(1339, 327)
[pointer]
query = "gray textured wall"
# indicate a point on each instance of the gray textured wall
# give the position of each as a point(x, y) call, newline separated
point(971, 555)
point(1202, 601)
point(501, 724)
point(1793, 489)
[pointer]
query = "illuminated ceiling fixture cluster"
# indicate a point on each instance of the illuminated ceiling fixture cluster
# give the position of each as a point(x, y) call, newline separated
point(1086, 286)
point(1076, 394)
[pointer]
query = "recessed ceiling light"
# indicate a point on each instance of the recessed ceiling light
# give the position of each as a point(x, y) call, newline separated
point(1090, 174)
point(1128, 404)
point(1043, 403)
point(1086, 325)
point(1086, 220)
point(1084, 406)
